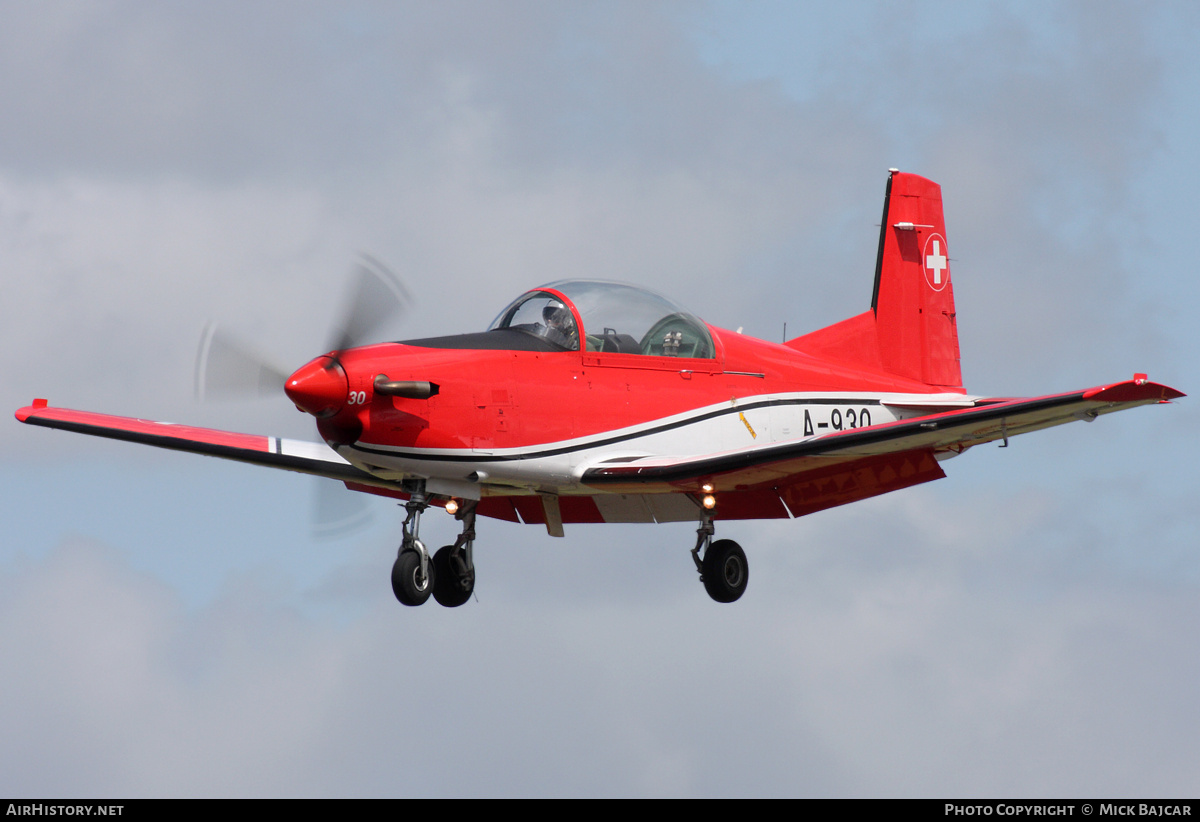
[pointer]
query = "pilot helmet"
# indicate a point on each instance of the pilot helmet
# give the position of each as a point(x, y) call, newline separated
point(556, 315)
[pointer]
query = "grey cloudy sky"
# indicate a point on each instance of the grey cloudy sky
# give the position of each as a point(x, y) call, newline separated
point(170, 627)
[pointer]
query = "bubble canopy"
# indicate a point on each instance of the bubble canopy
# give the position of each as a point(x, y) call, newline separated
point(607, 317)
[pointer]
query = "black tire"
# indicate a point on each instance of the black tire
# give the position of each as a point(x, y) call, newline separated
point(449, 587)
point(726, 571)
point(407, 585)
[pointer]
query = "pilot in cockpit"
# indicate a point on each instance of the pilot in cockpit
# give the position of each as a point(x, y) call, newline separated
point(560, 325)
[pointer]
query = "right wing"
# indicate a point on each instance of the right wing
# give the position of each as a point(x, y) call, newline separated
point(938, 433)
point(272, 452)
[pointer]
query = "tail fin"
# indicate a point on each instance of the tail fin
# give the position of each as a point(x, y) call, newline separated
point(911, 330)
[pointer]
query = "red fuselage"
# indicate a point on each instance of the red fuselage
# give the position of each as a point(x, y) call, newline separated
point(491, 399)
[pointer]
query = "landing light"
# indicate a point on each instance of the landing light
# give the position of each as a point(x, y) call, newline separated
point(451, 506)
point(709, 501)
point(707, 487)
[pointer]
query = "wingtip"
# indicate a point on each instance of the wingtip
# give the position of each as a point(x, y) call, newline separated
point(1139, 389)
point(25, 413)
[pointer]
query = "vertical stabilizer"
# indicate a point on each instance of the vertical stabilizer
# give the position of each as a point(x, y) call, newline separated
point(913, 300)
point(911, 330)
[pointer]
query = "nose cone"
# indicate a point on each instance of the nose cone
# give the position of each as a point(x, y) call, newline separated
point(319, 388)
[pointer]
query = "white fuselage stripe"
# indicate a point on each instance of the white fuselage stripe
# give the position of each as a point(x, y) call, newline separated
point(749, 423)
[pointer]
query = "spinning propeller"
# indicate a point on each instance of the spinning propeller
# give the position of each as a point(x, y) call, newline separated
point(226, 368)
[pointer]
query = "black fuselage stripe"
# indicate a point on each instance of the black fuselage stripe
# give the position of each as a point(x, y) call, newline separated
point(824, 445)
point(828, 445)
point(567, 449)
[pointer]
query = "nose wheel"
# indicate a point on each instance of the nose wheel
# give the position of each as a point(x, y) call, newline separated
point(723, 569)
point(413, 573)
point(411, 583)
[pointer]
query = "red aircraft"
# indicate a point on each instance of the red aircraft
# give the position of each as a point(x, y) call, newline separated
point(602, 402)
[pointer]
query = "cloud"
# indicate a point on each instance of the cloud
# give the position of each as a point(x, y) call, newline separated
point(936, 672)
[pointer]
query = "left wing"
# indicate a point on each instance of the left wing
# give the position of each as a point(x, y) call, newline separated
point(939, 433)
point(272, 452)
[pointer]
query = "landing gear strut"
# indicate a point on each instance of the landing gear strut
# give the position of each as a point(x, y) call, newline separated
point(449, 575)
point(414, 570)
point(723, 570)
point(454, 569)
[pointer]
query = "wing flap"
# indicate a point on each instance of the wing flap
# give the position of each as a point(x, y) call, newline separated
point(951, 431)
point(272, 452)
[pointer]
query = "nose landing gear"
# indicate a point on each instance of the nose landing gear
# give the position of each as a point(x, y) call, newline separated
point(449, 575)
point(413, 572)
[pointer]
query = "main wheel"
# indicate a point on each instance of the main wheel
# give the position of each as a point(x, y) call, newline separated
point(725, 570)
point(450, 588)
point(407, 583)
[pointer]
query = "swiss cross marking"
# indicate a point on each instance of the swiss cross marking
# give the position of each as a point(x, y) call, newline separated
point(937, 262)
point(937, 265)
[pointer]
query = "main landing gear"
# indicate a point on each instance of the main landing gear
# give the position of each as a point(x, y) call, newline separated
point(723, 570)
point(449, 575)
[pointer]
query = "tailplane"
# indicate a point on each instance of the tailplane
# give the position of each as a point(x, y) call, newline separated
point(911, 330)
